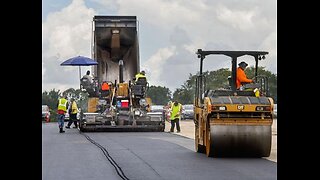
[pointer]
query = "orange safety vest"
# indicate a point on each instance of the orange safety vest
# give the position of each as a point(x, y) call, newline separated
point(241, 77)
point(105, 86)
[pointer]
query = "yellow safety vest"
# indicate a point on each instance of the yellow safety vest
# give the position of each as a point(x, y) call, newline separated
point(62, 104)
point(175, 110)
point(74, 108)
point(139, 75)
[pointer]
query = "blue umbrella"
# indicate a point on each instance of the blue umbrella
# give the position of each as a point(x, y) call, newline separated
point(79, 61)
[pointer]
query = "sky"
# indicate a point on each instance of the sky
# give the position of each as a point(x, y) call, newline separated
point(170, 32)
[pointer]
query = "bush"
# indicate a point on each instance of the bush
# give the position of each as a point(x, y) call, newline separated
point(53, 116)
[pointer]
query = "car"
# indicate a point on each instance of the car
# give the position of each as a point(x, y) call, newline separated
point(187, 111)
point(157, 110)
point(275, 110)
point(45, 113)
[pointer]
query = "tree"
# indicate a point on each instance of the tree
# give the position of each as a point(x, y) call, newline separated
point(185, 94)
point(272, 79)
point(159, 95)
point(80, 97)
point(217, 79)
point(51, 99)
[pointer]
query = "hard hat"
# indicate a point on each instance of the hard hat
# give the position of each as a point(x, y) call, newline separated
point(243, 64)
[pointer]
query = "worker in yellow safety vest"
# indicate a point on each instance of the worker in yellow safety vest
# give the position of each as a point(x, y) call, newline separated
point(176, 110)
point(141, 74)
point(62, 109)
point(73, 111)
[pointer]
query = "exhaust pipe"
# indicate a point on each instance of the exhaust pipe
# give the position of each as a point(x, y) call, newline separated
point(121, 71)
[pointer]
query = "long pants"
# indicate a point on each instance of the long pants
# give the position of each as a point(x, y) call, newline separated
point(173, 122)
point(73, 119)
point(61, 120)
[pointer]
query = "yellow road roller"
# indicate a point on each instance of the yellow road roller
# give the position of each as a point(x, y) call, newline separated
point(233, 122)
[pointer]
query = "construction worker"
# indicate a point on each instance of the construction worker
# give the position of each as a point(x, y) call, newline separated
point(241, 75)
point(73, 114)
point(141, 74)
point(105, 89)
point(62, 109)
point(176, 110)
point(88, 76)
point(168, 109)
point(105, 86)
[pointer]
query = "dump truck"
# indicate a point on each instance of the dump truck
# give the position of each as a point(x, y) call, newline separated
point(123, 105)
point(232, 122)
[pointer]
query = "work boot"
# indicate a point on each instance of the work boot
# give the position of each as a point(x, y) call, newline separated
point(61, 130)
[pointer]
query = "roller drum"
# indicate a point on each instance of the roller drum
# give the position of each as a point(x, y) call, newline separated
point(240, 140)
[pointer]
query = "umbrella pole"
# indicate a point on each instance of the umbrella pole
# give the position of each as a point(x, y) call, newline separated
point(80, 77)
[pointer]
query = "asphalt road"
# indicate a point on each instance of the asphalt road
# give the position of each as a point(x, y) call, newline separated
point(140, 156)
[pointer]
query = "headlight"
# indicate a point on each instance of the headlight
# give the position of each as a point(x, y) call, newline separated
point(137, 113)
point(259, 108)
point(115, 31)
point(222, 108)
point(263, 108)
point(143, 102)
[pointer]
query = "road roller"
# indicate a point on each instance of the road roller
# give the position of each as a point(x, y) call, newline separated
point(231, 121)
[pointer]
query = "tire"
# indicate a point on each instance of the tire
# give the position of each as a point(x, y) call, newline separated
point(209, 150)
point(199, 148)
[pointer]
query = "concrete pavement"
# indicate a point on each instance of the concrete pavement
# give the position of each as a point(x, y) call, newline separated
point(187, 130)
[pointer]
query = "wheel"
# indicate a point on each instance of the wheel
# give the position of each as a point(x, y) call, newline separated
point(82, 129)
point(199, 148)
point(208, 142)
point(80, 123)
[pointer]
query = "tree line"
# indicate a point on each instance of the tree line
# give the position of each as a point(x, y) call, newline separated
point(160, 95)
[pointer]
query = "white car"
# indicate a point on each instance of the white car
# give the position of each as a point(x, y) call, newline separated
point(157, 111)
point(45, 113)
point(187, 111)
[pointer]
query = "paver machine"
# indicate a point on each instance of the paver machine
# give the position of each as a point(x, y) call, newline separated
point(232, 122)
point(123, 105)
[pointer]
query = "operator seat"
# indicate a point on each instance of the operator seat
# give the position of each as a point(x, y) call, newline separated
point(229, 81)
point(85, 82)
point(142, 81)
point(139, 88)
point(88, 86)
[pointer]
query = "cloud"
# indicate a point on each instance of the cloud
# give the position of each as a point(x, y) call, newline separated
point(270, 43)
point(65, 33)
point(170, 34)
point(154, 66)
point(163, 13)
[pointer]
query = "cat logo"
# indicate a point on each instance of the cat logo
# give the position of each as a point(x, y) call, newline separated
point(240, 107)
